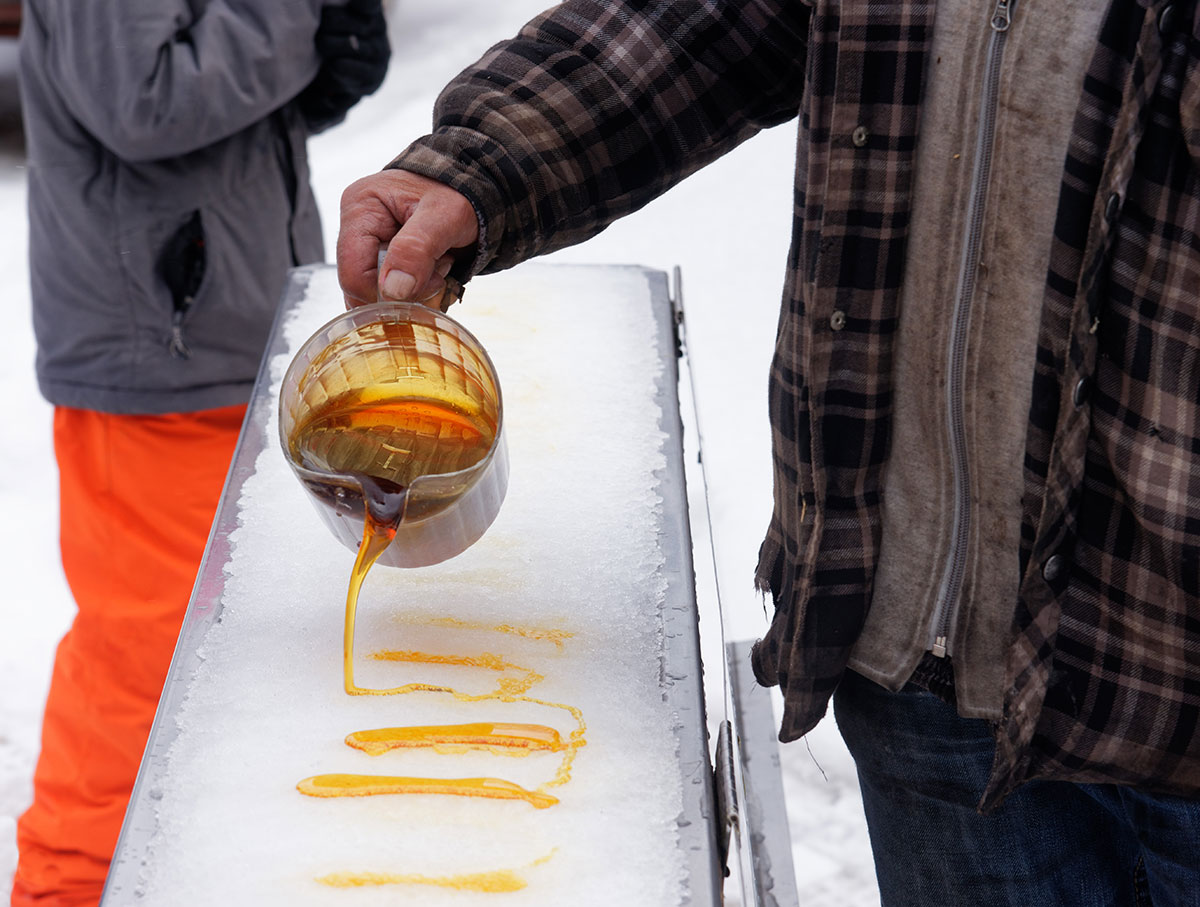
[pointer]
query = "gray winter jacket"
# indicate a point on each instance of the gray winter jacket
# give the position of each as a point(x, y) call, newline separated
point(168, 193)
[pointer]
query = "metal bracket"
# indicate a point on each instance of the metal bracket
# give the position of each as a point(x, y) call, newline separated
point(768, 875)
point(676, 298)
point(725, 789)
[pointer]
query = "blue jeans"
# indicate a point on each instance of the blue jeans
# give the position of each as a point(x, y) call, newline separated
point(922, 770)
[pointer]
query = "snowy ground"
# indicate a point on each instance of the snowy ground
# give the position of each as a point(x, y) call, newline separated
point(727, 228)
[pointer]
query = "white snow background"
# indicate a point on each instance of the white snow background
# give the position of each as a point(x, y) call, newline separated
point(727, 228)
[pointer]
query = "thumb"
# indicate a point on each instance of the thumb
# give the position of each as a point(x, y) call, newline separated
point(417, 257)
point(421, 221)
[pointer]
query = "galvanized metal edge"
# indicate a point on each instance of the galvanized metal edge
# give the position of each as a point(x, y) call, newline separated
point(683, 691)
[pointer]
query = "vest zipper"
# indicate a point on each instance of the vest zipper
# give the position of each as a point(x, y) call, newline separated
point(950, 589)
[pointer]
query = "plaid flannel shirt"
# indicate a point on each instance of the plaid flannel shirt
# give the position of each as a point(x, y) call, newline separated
point(597, 107)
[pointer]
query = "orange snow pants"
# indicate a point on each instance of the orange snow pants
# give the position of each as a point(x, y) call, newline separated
point(137, 499)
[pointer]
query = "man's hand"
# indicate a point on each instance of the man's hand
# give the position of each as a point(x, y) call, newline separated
point(422, 222)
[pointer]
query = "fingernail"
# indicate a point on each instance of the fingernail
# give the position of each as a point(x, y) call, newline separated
point(398, 285)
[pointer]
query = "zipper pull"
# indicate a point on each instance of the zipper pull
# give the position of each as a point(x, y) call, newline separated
point(939, 647)
point(1002, 15)
point(179, 348)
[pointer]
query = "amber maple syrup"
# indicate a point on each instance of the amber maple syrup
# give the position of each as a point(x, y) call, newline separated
point(385, 441)
point(451, 738)
point(373, 443)
point(393, 437)
point(496, 881)
point(341, 784)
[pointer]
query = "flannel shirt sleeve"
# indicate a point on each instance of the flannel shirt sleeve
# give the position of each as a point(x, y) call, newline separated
point(595, 108)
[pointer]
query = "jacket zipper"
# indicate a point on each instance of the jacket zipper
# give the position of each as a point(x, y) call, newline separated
point(950, 589)
point(178, 346)
point(181, 264)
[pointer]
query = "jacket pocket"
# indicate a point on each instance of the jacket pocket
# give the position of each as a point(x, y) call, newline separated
point(182, 264)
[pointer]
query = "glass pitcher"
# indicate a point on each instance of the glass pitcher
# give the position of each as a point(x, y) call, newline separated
point(400, 397)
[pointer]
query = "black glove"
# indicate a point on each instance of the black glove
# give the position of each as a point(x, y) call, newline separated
point(353, 43)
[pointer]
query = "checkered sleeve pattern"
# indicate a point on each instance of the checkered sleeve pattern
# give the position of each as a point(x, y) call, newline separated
point(595, 108)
